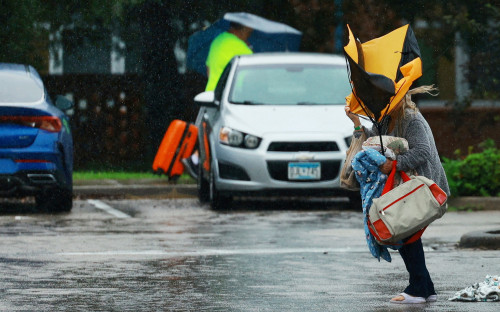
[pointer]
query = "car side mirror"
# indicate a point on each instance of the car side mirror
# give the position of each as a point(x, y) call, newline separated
point(207, 99)
point(63, 103)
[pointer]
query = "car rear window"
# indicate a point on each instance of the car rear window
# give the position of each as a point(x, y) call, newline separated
point(19, 89)
point(293, 84)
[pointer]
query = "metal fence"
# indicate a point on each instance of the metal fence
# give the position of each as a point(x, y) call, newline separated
point(107, 119)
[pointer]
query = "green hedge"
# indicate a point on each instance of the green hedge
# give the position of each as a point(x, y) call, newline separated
point(477, 174)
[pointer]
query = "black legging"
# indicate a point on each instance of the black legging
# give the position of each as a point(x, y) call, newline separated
point(420, 281)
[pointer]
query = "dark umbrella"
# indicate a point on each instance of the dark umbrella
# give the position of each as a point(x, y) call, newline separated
point(381, 72)
point(268, 36)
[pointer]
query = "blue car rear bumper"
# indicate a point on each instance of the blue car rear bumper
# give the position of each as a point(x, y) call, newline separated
point(32, 170)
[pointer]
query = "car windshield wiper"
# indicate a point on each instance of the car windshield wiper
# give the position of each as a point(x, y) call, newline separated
point(246, 102)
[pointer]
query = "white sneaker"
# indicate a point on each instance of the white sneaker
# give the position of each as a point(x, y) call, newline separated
point(408, 299)
point(432, 298)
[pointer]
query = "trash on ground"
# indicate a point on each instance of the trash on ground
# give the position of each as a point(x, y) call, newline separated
point(487, 291)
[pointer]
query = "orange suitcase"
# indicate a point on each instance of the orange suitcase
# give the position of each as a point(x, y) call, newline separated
point(178, 143)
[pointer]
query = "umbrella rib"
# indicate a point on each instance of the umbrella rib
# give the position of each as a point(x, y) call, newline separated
point(356, 96)
point(377, 125)
point(361, 116)
point(387, 109)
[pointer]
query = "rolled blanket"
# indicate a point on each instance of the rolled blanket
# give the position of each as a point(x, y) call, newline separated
point(393, 146)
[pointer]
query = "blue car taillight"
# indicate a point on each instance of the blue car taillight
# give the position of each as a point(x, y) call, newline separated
point(48, 123)
point(32, 161)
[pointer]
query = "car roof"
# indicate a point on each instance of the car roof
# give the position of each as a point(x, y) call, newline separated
point(19, 69)
point(291, 57)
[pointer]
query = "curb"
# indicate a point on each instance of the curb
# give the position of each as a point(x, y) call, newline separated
point(475, 203)
point(144, 190)
point(136, 190)
point(148, 188)
point(481, 239)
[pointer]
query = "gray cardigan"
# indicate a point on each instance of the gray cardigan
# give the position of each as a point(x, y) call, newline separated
point(422, 154)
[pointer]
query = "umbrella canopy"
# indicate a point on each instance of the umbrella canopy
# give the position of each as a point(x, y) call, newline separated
point(382, 71)
point(268, 36)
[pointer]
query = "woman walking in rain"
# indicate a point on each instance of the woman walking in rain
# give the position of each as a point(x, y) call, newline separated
point(422, 156)
point(382, 71)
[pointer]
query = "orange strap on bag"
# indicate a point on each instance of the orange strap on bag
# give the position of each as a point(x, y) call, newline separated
point(405, 213)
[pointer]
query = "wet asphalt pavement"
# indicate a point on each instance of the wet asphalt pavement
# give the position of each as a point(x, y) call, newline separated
point(178, 255)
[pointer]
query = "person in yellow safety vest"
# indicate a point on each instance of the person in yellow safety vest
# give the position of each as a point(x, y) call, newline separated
point(222, 49)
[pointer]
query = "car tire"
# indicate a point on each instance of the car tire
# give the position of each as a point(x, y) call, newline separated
point(203, 186)
point(55, 200)
point(217, 200)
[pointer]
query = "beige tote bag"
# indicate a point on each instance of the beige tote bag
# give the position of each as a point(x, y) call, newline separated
point(347, 178)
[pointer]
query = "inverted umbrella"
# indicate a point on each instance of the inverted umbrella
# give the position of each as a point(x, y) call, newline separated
point(268, 36)
point(382, 71)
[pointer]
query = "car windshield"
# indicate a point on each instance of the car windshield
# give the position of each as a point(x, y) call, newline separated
point(19, 89)
point(290, 84)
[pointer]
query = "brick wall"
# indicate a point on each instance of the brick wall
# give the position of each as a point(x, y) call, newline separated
point(460, 129)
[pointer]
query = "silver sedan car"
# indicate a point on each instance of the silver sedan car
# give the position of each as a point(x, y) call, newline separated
point(275, 125)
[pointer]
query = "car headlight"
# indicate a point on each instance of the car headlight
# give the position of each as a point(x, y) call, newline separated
point(251, 141)
point(237, 138)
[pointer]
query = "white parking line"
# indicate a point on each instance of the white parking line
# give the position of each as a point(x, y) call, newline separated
point(112, 211)
point(214, 252)
point(222, 252)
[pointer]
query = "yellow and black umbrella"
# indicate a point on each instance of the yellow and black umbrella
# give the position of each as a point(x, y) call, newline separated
point(381, 71)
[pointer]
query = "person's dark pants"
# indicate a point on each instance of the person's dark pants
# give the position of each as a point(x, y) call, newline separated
point(420, 281)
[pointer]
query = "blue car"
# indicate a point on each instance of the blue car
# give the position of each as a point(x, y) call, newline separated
point(36, 145)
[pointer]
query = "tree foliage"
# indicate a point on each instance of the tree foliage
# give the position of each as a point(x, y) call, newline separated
point(476, 22)
point(479, 24)
point(21, 32)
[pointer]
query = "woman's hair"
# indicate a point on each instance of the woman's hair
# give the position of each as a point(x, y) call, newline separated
point(406, 104)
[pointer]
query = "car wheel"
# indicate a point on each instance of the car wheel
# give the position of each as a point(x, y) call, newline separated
point(55, 200)
point(203, 186)
point(217, 200)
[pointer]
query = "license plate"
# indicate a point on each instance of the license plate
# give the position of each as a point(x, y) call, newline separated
point(304, 171)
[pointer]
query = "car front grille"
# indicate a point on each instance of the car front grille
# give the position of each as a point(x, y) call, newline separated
point(323, 146)
point(278, 170)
